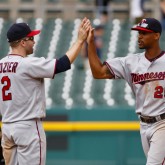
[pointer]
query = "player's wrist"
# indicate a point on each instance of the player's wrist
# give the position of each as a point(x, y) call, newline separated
point(80, 41)
point(91, 41)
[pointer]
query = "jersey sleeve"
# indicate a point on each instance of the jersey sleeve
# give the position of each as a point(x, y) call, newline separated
point(40, 67)
point(117, 67)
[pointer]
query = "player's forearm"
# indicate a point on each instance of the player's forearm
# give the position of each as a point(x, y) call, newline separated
point(73, 52)
point(99, 70)
point(94, 61)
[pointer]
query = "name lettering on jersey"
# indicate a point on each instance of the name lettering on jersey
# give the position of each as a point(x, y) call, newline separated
point(147, 77)
point(8, 67)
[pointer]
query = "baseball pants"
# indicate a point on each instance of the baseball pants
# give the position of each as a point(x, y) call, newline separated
point(153, 142)
point(24, 143)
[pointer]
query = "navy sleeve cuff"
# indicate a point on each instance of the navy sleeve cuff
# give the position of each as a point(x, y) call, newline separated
point(62, 64)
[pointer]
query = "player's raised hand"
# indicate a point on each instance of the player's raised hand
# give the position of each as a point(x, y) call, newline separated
point(90, 37)
point(84, 29)
point(82, 36)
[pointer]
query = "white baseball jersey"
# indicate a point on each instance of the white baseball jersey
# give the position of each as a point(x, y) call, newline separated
point(22, 87)
point(146, 79)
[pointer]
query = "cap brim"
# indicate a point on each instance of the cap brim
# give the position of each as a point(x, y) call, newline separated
point(138, 28)
point(33, 33)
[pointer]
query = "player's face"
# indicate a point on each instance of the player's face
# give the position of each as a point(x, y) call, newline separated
point(146, 40)
point(29, 45)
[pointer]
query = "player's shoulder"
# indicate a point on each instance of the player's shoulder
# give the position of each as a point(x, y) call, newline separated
point(29, 58)
point(133, 57)
point(33, 60)
point(4, 58)
point(29, 61)
point(38, 61)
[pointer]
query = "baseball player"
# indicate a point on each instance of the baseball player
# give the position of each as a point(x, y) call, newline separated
point(145, 73)
point(22, 99)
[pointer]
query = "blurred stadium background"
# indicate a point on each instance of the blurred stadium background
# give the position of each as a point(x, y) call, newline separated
point(89, 122)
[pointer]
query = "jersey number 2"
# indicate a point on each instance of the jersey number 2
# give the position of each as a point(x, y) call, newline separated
point(5, 94)
point(159, 92)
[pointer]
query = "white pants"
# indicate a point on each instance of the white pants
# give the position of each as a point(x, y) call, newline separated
point(24, 143)
point(153, 142)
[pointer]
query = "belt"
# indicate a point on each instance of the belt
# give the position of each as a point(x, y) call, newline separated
point(148, 119)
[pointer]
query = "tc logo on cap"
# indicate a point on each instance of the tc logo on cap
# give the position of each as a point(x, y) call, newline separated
point(149, 25)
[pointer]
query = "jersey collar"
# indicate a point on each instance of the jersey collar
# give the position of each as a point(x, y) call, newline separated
point(15, 55)
point(155, 58)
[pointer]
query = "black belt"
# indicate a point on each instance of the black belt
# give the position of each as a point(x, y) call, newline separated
point(148, 119)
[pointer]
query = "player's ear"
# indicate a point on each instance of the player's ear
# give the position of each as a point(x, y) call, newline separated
point(22, 42)
point(157, 36)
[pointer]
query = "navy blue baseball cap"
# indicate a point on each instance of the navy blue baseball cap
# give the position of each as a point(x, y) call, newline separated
point(20, 30)
point(148, 25)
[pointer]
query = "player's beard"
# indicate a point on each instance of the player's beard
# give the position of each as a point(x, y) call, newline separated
point(144, 46)
point(141, 45)
point(29, 51)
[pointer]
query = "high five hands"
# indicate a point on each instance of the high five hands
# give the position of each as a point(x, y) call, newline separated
point(86, 31)
point(83, 30)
